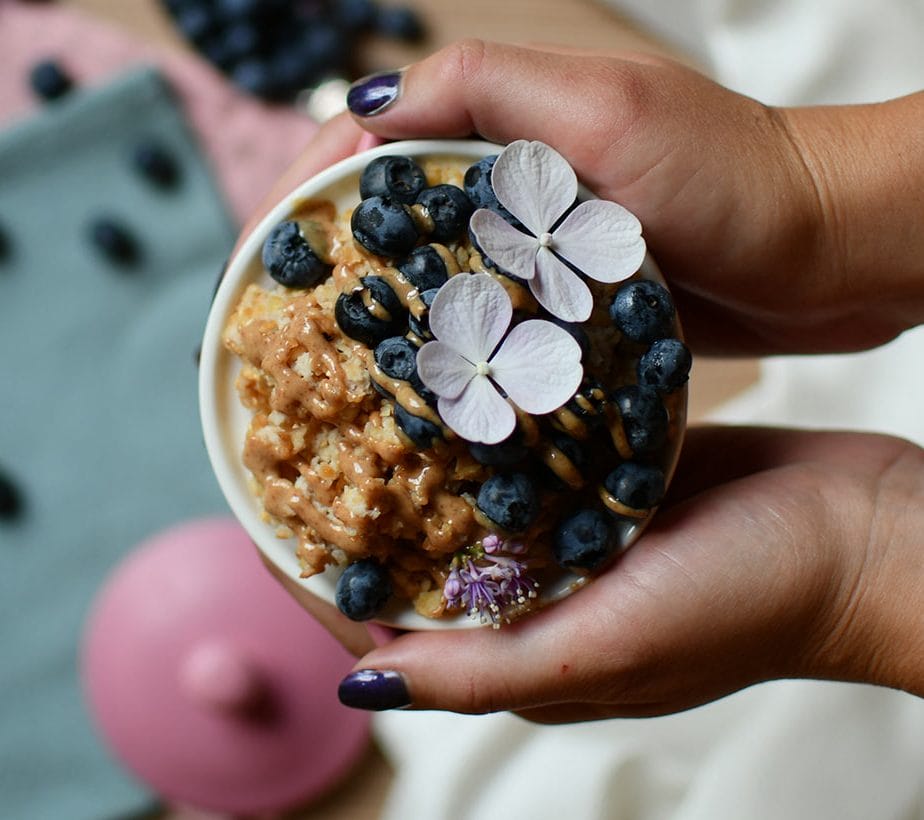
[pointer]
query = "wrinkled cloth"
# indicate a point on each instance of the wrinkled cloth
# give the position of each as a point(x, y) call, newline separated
point(785, 750)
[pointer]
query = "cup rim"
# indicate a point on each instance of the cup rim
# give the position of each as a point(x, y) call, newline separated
point(220, 408)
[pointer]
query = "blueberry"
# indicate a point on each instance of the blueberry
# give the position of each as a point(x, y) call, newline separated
point(196, 21)
point(643, 311)
point(363, 590)
point(644, 419)
point(11, 503)
point(156, 164)
point(568, 450)
point(397, 358)
point(420, 326)
point(371, 323)
point(355, 15)
point(255, 76)
point(397, 177)
point(292, 255)
point(424, 268)
point(49, 81)
point(584, 540)
point(507, 453)
point(401, 22)
point(449, 209)
point(237, 9)
point(665, 366)
point(638, 486)
point(509, 500)
point(114, 240)
point(384, 227)
point(420, 431)
point(239, 41)
point(478, 186)
point(481, 192)
point(589, 403)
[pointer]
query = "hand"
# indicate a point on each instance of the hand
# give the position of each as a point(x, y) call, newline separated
point(780, 230)
point(778, 554)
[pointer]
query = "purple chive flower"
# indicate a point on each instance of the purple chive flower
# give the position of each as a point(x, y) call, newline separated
point(487, 585)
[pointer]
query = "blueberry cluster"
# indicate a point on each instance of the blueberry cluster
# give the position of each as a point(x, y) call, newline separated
point(275, 48)
point(638, 422)
point(415, 229)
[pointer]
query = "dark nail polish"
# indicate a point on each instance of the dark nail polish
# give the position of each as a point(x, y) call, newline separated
point(373, 690)
point(372, 95)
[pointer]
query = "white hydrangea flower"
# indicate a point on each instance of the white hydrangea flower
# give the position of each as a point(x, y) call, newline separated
point(537, 364)
point(599, 238)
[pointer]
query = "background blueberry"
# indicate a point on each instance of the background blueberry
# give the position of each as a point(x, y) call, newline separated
point(384, 227)
point(584, 540)
point(644, 418)
point(255, 76)
point(362, 590)
point(400, 22)
point(449, 208)
point(289, 258)
point(11, 503)
point(643, 311)
point(639, 486)
point(156, 163)
point(49, 80)
point(509, 500)
point(665, 366)
point(397, 358)
point(355, 15)
point(114, 240)
point(424, 268)
point(397, 177)
point(419, 430)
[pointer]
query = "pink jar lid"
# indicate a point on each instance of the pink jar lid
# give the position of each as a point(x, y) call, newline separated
point(210, 683)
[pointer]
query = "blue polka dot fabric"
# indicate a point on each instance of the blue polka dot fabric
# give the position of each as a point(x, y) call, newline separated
point(99, 434)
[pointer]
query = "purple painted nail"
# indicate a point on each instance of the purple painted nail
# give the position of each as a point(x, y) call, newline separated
point(374, 690)
point(372, 95)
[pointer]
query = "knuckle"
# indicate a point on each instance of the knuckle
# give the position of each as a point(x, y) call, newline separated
point(464, 59)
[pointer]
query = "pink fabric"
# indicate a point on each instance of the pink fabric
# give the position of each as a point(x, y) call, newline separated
point(248, 143)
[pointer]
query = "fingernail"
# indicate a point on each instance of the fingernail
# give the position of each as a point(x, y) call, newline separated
point(373, 690)
point(372, 95)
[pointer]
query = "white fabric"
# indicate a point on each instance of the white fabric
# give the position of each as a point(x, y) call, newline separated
point(789, 750)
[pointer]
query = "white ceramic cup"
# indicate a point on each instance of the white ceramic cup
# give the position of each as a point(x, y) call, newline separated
point(225, 420)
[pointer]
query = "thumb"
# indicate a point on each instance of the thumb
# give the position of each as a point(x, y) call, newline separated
point(581, 104)
point(468, 671)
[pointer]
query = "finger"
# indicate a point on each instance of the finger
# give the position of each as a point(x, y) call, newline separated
point(505, 92)
point(337, 139)
point(714, 455)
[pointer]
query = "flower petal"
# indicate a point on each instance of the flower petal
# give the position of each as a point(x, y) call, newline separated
point(559, 289)
point(513, 250)
point(602, 239)
point(535, 183)
point(538, 365)
point(480, 414)
point(471, 313)
point(443, 370)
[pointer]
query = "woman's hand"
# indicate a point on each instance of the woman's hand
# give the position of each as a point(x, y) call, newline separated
point(778, 554)
point(780, 230)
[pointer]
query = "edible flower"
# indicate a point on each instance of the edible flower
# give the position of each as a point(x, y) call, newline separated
point(537, 364)
point(600, 239)
point(488, 585)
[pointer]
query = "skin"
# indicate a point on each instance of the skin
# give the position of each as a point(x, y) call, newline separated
point(778, 553)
